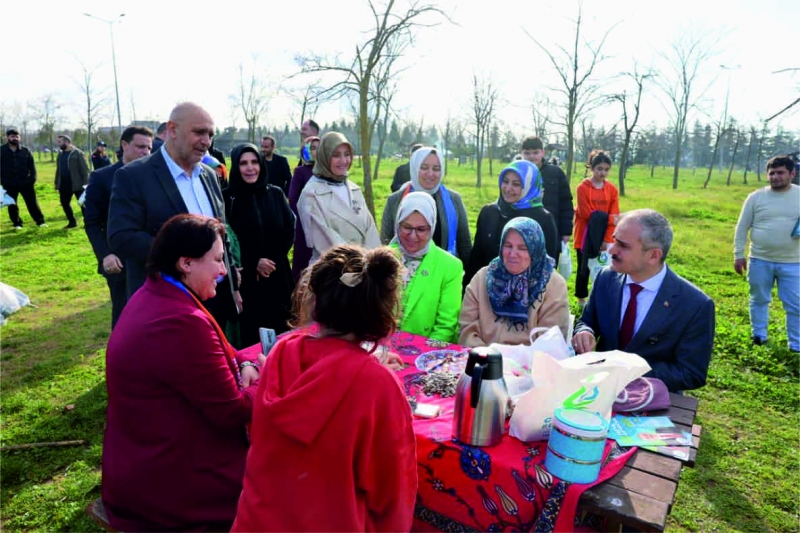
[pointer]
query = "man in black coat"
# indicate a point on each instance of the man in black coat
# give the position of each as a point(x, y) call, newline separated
point(402, 174)
point(136, 142)
point(18, 176)
point(149, 191)
point(557, 196)
point(278, 171)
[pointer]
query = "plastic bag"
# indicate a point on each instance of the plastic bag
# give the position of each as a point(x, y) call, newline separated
point(565, 261)
point(589, 381)
point(597, 264)
point(551, 342)
point(11, 301)
point(7, 199)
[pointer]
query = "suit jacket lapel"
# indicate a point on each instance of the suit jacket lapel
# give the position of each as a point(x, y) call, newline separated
point(167, 182)
point(664, 304)
point(614, 313)
point(428, 265)
point(214, 198)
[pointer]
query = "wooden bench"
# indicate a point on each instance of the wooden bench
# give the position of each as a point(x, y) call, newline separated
point(640, 496)
point(97, 512)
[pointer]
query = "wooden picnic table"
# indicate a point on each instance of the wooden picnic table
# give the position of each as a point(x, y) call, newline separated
point(640, 496)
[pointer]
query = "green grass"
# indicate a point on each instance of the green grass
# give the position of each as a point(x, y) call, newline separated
point(746, 477)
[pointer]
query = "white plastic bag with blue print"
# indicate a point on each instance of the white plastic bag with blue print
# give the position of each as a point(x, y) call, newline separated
point(589, 381)
point(597, 264)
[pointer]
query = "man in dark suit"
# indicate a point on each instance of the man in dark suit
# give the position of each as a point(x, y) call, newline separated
point(402, 174)
point(278, 171)
point(640, 306)
point(136, 142)
point(149, 191)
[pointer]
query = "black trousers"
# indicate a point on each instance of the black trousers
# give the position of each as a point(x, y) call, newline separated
point(28, 194)
point(117, 286)
point(66, 198)
point(581, 278)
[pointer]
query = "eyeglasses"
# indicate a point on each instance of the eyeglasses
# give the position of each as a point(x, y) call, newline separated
point(421, 231)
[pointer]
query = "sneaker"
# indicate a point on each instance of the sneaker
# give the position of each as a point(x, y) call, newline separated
point(17, 228)
point(71, 225)
point(758, 341)
point(43, 225)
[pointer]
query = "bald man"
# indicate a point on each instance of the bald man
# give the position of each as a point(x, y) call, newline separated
point(149, 191)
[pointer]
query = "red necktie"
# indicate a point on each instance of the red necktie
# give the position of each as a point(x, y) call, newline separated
point(629, 320)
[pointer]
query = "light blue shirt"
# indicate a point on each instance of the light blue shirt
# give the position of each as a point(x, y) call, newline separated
point(191, 187)
point(645, 298)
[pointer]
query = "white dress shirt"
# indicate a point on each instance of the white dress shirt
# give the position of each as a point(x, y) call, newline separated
point(191, 187)
point(645, 298)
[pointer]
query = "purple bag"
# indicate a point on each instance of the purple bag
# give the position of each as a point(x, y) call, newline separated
point(642, 394)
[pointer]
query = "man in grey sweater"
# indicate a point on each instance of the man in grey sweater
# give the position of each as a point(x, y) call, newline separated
point(771, 216)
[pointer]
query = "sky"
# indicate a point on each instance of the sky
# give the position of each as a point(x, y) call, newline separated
point(172, 51)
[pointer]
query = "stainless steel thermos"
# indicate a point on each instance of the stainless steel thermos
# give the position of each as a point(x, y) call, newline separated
point(481, 399)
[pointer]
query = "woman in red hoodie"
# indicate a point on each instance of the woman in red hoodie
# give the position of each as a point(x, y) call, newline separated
point(594, 194)
point(332, 447)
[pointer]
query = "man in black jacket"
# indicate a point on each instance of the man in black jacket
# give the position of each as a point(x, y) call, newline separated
point(278, 171)
point(557, 196)
point(402, 174)
point(18, 175)
point(136, 142)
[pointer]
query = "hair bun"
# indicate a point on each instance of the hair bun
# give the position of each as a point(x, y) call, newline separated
point(382, 263)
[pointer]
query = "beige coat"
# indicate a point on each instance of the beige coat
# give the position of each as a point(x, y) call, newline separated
point(328, 221)
point(477, 323)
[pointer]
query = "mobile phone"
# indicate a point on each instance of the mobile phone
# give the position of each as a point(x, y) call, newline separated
point(267, 339)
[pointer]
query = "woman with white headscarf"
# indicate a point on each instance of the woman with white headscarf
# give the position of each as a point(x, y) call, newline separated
point(452, 227)
point(431, 276)
point(332, 208)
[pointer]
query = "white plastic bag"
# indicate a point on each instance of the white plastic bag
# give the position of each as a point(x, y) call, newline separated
point(565, 261)
point(597, 264)
point(7, 199)
point(11, 301)
point(589, 381)
point(550, 342)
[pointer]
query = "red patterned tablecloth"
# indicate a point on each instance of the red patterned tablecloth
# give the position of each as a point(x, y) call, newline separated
point(498, 488)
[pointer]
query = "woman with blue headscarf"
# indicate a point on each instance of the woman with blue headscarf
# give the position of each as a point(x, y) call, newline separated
point(517, 292)
point(520, 196)
point(452, 227)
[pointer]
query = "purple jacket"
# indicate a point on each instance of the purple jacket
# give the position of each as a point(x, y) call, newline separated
point(302, 252)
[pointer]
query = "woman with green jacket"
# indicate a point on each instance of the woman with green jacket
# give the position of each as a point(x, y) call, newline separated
point(431, 276)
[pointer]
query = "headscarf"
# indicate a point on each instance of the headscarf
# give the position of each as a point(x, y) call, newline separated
point(532, 189)
point(305, 152)
point(328, 144)
point(425, 205)
point(413, 166)
point(236, 183)
point(512, 296)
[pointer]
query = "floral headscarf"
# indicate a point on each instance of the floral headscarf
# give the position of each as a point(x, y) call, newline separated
point(511, 295)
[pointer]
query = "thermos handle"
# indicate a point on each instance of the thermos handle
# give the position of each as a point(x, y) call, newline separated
point(476, 384)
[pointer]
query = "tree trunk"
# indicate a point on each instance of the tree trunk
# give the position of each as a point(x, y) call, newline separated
point(747, 157)
point(366, 145)
point(713, 157)
point(733, 156)
point(623, 166)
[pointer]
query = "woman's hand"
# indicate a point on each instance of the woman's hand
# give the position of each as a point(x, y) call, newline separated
point(265, 267)
point(392, 361)
point(249, 376)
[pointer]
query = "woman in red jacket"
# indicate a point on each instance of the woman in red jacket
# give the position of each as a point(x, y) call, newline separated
point(179, 396)
point(332, 445)
point(594, 194)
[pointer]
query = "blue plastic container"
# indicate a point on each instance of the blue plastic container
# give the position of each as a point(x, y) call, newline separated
point(575, 448)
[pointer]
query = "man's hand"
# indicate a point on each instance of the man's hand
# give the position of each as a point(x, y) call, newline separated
point(583, 342)
point(237, 299)
point(740, 265)
point(112, 264)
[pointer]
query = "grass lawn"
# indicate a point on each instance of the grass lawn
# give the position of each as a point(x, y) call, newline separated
point(52, 362)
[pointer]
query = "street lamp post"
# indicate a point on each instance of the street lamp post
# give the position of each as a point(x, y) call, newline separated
point(113, 61)
point(725, 111)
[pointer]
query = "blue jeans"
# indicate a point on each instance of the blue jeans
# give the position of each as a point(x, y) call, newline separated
point(762, 276)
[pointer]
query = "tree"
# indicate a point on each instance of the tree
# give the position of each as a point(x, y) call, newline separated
point(484, 98)
point(47, 108)
point(628, 121)
point(392, 32)
point(576, 79)
point(94, 102)
point(541, 108)
point(738, 137)
point(307, 98)
point(750, 142)
point(685, 59)
point(252, 98)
